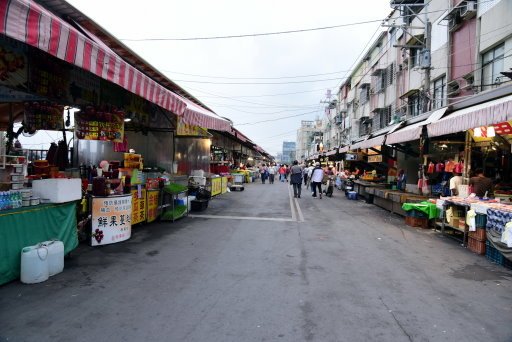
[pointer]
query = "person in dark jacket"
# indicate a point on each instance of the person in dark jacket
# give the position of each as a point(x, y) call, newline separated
point(296, 178)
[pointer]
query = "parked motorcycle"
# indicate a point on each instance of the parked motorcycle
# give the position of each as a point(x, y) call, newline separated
point(329, 186)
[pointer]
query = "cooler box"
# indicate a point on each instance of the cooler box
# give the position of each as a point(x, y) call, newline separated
point(57, 190)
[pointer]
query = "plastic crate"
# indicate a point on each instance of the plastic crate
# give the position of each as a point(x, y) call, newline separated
point(416, 213)
point(479, 234)
point(421, 222)
point(481, 220)
point(495, 256)
point(476, 246)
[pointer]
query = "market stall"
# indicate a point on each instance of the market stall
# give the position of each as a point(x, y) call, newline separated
point(27, 226)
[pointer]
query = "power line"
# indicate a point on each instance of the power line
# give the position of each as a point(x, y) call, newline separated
point(281, 118)
point(255, 34)
point(256, 78)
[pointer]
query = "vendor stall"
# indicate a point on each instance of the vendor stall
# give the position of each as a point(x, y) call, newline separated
point(28, 226)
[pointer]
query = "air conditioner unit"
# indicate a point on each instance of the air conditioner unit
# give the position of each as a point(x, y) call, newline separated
point(468, 9)
point(425, 59)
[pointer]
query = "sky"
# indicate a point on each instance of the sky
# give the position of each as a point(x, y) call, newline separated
point(227, 74)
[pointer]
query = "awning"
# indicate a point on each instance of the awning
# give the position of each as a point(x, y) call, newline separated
point(344, 149)
point(28, 22)
point(409, 92)
point(484, 114)
point(408, 133)
point(332, 152)
point(412, 132)
point(199, 116)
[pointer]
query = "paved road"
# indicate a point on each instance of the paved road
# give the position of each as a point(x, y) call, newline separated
point(253, 269)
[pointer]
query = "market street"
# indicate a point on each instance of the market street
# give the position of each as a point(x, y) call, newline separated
point(250, 270)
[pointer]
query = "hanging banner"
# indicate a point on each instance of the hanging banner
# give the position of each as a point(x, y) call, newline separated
point(190, 130)
point(98, 125)
point(13, 65)
point(43, 116)
point(152, 205)
point(111, 219)
point(138, 205)
point(47, 77)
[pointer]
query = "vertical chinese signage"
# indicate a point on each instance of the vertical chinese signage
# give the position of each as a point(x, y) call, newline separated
point(216, 186)
point(111, 219)
point(138, 205)
point(152, 205)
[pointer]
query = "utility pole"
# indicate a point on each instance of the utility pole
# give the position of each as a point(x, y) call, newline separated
point(427, 61)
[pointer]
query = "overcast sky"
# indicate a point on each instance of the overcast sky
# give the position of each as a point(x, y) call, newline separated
point(244, 60)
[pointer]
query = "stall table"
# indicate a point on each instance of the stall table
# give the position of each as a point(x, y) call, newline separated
point(28, 226)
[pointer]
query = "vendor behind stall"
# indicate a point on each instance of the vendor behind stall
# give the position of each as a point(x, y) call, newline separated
point(481, 185)
point(455, 182)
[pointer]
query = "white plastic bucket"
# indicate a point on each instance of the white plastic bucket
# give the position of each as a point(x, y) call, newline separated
point(55, 256)
point(34, 264)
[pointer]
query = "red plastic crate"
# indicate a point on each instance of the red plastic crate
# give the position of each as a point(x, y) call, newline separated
point(416, 221)
point(479, 234)
point(476, 246)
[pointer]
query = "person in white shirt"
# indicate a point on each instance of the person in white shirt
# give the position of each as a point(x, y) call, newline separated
point(317, 175)
point(271, 173)
point(455, 182)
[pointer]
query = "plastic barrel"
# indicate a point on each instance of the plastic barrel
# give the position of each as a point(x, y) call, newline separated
point(34, 264)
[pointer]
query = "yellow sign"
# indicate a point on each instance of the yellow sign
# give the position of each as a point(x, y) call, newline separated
point(216, 186)
point(190, 130)
point(152, 205)
point(138, 205)
point(376, 158)
point(224, 186)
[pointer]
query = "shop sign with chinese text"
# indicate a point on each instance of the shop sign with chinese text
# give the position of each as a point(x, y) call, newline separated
point(111, 219)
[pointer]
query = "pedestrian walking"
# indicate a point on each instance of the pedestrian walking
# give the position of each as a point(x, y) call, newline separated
point(264, 173)
point(305, 173)
point(317, 176)
point(282, 171)
point(296, 178)
point(286, 172)
point(271, 173)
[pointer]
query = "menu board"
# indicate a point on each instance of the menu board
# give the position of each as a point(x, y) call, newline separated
point(185, 129)
point(92, 124)
point(43, 116)
point(138, 205)
point(111, 219)
point(152, 205)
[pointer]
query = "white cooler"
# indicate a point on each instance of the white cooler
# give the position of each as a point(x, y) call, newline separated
point(57, 190)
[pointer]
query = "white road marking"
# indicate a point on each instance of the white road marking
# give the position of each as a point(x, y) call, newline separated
point(243, 218)
point(294, 217)
point(299, 211)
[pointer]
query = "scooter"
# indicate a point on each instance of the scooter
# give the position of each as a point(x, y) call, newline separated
point(349, 186)
point(329, 187)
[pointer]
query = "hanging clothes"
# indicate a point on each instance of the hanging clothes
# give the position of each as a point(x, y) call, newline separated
point(431, 168)
point(449, 166)
point(51, 154)
point(439, 167)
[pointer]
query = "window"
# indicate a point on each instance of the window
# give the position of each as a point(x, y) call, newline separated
point(364, 126)
point(390, 73)
point(415, 57)
point(492, 65)
point(414, 105)
point(365, 93)
point(439, 92)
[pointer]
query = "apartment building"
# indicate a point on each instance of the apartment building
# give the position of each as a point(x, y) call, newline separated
point(309, 137)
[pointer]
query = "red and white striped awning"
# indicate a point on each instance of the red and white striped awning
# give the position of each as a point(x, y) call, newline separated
point(28, 22)
point(199, 116)
point(484, 114)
